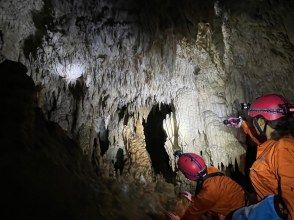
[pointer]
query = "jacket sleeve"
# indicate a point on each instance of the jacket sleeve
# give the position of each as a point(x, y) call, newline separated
point(247, 130)
point(202, 203)
point(285, 171)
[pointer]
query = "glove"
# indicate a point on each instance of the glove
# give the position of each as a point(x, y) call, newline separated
point(233, 122)
point(187, 195)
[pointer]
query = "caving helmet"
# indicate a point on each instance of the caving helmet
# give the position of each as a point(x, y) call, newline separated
point(192, 166)
point(271, 107)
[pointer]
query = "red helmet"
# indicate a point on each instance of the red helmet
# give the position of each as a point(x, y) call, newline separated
point(191, 165)
point(270, 107)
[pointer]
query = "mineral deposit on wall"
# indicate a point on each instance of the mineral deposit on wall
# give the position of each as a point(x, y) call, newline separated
point(100, 65)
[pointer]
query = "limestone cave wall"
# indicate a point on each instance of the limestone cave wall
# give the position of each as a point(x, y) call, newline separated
point(100, 66)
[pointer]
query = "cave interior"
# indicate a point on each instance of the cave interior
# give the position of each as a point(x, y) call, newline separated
point(98, 95)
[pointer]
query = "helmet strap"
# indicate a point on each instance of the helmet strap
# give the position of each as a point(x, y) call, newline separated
point(262, 132)
point(199, 184)
point(202, 173)
point(265, 127)
point(200, 180)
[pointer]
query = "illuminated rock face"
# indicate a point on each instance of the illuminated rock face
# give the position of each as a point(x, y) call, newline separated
point(101, 65)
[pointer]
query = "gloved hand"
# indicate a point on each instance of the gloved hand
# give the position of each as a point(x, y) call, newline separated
point(233, 122)
point(187, 195)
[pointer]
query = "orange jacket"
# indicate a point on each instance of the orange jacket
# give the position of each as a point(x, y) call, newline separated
point(219, 194)
point(249, 131)
point(274, 168)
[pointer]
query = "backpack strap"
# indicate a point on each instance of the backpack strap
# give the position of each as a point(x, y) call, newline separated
point(200, 181)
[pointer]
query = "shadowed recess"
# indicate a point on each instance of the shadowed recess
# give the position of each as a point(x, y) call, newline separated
point(155, 139)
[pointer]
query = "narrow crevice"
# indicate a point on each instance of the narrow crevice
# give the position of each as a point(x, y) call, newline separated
point(95, 156)
point(155, 139)
point(120, 161)
point(123, 114)
point(104, 142)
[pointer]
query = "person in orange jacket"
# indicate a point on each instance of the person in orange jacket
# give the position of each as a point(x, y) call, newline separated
point(272, 173)
point(215, 192)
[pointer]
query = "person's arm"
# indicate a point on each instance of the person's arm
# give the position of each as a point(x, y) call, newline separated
point(202, 203)
point(248, 131)
point(285, 167)
point(238, 122)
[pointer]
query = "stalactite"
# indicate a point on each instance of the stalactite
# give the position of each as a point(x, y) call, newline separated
point(206, 57)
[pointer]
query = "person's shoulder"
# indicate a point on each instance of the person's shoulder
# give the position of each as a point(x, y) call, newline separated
point(286, 141)
point(285, 145)
point(219, 185)
point(212, 169)
point(213, 177)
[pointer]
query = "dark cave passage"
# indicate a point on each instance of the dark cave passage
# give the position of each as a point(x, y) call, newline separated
point(155, 139)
